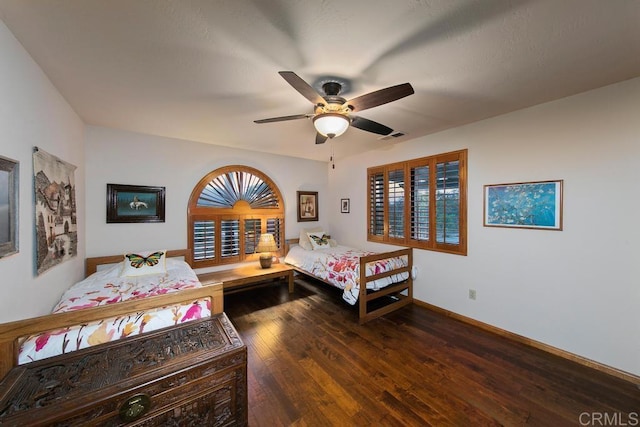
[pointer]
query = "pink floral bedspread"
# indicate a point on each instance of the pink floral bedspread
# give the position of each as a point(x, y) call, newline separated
point(107, 287)
point(340, 266)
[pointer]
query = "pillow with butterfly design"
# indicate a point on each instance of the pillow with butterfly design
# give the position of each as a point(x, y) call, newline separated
point(143, 263)
point(319, 240)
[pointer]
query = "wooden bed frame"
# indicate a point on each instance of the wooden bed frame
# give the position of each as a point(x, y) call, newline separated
point(11, 332)
point(365, 297)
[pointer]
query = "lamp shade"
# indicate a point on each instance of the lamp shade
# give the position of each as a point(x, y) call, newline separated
point(267, 243)
point(331, 124)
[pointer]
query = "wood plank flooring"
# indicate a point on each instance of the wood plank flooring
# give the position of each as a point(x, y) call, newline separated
point(311, 364)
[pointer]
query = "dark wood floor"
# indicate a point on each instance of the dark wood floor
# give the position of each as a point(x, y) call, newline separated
point(311, 364)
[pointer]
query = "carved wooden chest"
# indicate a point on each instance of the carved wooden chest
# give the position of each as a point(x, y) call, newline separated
point(193, 374)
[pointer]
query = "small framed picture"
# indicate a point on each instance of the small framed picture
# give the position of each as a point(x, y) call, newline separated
point(344, 205)
point(307, 206)
point(135, 203)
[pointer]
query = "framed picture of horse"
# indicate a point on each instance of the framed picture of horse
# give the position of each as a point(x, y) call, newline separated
point(135, 203)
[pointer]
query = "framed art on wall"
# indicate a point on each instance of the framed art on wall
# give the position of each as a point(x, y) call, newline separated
point(524, 205)
point(135, 203)
point(307, 206)
point(8, 206)
point(344, 205)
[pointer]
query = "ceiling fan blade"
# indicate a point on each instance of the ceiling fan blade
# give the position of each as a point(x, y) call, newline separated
point(379, 97)
point(320, 138)
point(370, 126)
point(303, 87)
point(284, 118)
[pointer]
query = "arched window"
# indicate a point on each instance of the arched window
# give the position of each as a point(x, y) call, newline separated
point(228, 211)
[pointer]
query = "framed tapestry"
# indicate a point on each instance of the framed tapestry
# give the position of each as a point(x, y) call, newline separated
point(524, 205)
point(9, 174)
point(135, 203)
point(55, 198)
point(307, 206)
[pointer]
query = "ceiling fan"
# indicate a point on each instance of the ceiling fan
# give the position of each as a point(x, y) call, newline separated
point(332, 113)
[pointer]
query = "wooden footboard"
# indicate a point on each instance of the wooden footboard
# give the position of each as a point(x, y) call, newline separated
point(400, 294)
point(396, 295)
point(12, 332)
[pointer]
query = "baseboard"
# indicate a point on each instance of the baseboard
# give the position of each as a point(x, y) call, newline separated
point(627, 376)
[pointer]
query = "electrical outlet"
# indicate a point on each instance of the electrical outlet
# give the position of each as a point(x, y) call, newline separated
point(472, 294)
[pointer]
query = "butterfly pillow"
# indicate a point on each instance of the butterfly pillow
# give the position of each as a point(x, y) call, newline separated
point(143, 263)
point(319, 240)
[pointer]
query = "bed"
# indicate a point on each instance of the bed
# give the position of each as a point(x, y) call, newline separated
point(388, 278)
point(165, 300)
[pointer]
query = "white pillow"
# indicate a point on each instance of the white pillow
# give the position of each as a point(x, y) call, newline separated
point(304, 241)
point(143, 263)
point(318, 240)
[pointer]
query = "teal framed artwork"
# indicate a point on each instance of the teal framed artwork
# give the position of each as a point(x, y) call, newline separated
point(524, 205)
point(135, 203)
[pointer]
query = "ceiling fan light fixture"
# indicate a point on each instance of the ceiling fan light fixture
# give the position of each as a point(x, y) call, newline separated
point(331, 124)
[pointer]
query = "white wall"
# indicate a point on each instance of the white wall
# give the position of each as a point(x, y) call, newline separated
point(119, 157)
point(33, 113)
point(577, 289)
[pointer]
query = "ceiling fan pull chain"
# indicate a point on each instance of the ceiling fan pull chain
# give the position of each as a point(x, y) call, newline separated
point(333, 165)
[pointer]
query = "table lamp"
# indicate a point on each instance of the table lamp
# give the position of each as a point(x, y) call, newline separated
point(266, 246)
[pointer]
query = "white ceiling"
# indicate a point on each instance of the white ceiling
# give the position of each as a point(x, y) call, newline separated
point(203, 70)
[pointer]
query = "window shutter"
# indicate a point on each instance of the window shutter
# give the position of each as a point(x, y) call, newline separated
point(229, 238)
point(376, 204)
point(252, 231)
point(228, 210)
point(395, 204)
point(204, 239)
point(227, 188)
point(448, 203)
point(274, 226)
point(420, 203)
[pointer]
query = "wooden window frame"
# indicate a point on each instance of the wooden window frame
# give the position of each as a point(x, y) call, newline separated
point(240, 211)
point(407, 239)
